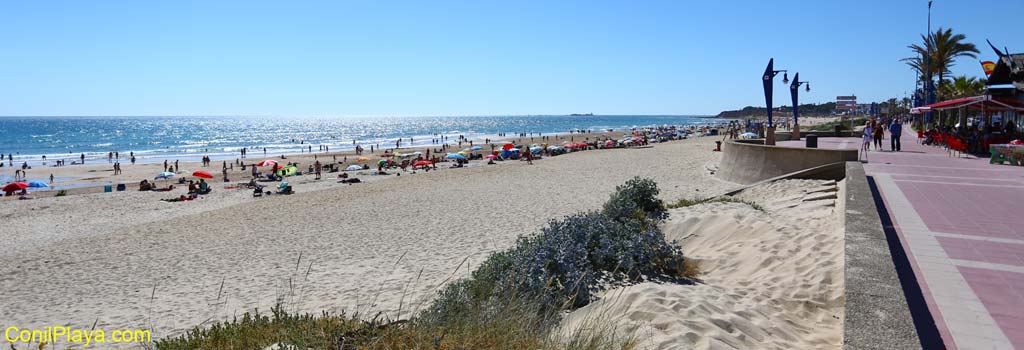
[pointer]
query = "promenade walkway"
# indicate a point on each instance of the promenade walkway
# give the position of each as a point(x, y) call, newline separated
point(961, 223)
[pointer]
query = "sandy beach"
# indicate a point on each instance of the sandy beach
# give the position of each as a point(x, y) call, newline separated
point(125, 259)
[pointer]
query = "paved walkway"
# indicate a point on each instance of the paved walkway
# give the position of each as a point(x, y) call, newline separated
point(961, 222)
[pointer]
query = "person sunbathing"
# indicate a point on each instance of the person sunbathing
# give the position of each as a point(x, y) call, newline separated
point(181, 198)
point(165, 189)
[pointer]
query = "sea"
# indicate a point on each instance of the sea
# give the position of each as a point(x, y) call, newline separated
point(155, 139)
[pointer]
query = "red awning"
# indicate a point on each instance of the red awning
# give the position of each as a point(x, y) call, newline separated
point(984, 102)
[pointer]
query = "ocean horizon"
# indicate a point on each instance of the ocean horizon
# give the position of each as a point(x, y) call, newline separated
point(158, 138)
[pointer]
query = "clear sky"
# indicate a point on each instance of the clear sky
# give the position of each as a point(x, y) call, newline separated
point(376, 57)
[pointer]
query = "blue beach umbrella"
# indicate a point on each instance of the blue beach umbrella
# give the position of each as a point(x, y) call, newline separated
point(536, 149)
point(455, 156)
point(477, 148)
point(165, 175)
point(38, 184)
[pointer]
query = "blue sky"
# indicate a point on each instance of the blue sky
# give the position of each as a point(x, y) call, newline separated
point(339, 58)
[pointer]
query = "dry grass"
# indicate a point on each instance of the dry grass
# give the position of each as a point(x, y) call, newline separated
point(688, 202)
point(691, 268)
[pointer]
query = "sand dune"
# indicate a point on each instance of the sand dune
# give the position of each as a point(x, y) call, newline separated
point(771, 279)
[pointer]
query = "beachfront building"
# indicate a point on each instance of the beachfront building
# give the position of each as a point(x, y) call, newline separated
point(846, 104)
point(998, 111)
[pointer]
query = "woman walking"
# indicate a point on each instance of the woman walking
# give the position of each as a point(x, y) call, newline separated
point(868, 136)
point(878, 131)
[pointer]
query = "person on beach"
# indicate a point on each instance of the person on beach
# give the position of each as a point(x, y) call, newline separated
point(51, 177)
point(81, 157)
point(895, 131)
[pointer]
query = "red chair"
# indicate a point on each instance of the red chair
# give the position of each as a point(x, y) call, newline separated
point(920, 136)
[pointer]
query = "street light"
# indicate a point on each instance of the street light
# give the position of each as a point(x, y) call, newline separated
point(929, 87)
point(769, 75)
point(794, 90)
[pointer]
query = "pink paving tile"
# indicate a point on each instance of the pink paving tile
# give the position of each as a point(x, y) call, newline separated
point(985, 251)
point(1004, 302)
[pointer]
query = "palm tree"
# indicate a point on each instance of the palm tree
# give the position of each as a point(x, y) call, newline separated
point(964, 86)
point(945, 47)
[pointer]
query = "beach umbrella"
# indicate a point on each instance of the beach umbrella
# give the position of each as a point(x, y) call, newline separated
point(490, 156)
point(164, 175)
point(748, 135)
point(15, 186)
point(423, 163)
point(203, 174)
point(267, 162)
point(37, 184)
point(417, 153)
point(508, 146)
point(535, 149)
point(455, 156)
point(353, 168)
point(382, 162)
point(554, 148)
point(477, 148)
point(362, 159)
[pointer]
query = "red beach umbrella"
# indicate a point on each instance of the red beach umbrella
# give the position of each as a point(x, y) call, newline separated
point(15, 186)
point(508, 146)
point(422, 163)
point(203, 174)
point(267, 162)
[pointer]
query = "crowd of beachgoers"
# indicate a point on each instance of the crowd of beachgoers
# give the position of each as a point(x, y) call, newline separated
point(261, 172)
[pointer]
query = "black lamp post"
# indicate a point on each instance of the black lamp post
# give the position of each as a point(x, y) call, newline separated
point(794, 91)
point(769, 75)
point(929, 86)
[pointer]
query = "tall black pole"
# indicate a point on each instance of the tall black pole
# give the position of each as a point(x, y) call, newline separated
point(769, 73)
point(929, 87)
point(794, 90)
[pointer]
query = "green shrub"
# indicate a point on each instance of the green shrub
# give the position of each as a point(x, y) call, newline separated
point(636, 196)
point(564, 265)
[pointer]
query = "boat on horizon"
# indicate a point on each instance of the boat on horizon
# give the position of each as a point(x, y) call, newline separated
point(582, 115)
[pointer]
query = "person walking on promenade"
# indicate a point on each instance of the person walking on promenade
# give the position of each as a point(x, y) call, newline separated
point(868, 136)
point(895, 131)
point(879, 132)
